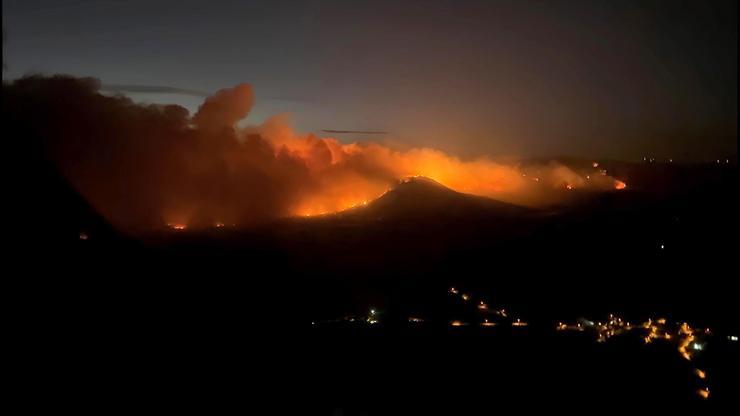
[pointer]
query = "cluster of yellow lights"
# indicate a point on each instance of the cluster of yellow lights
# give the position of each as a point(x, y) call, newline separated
point(483, 307)
point(685, 337)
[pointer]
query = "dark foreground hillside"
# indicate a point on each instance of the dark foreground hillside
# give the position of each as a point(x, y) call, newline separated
point(204, 315)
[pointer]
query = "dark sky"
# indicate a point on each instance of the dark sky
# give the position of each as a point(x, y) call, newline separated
point(529, 78)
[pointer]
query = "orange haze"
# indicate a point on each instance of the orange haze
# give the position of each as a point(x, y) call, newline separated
point(144, 166)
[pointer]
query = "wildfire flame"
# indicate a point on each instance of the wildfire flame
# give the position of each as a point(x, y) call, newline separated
point(209, 168)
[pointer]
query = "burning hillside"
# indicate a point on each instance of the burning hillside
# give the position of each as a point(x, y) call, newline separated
point(420, 197)
point(142, 166)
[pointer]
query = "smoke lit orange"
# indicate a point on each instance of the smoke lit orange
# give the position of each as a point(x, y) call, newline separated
point(189, 172)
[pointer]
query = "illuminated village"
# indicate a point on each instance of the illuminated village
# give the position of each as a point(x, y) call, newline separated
point(688, 341)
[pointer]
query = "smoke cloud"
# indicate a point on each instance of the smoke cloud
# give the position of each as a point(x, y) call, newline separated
point(142, 166)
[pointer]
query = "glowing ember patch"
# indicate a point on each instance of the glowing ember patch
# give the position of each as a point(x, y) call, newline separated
point(619, 185)
point(701, 374)
point(83, 236)
point(297, 174)
point(595, 164)
point(457, 323)
point(569, 187)
point(178, 227)
point(704, 393)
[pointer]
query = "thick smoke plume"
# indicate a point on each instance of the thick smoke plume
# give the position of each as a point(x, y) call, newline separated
point(142, 166)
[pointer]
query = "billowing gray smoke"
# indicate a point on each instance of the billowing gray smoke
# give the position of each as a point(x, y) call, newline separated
point(143, 166)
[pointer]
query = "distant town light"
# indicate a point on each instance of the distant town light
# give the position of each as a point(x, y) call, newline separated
point(704, 393)
point(733, 338)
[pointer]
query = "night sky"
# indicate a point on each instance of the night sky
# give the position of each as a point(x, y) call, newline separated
point(497, 78)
